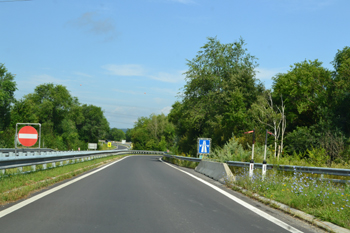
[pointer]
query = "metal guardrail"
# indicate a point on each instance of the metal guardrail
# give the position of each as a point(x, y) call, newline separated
point(61, 157)
point(6, 152)
point(192, 159)
point(31, 158)
point(302, 169)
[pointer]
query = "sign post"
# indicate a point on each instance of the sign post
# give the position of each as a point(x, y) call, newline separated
point(251, 166)
point(264, 162)
point(27, 135)
point(204, 146)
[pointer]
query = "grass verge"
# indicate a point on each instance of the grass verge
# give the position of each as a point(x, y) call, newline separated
point(14, 186)
point(323, 199)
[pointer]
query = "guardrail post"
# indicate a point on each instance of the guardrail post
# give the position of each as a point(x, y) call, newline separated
point(61, 163)
point(45, 166)
point(53, 164)
point(33, 168)
point(20, 169)
point(3, 171)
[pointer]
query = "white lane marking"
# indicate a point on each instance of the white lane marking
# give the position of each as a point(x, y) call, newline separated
point(28, 136)
point(41, 195)
point(245, 204)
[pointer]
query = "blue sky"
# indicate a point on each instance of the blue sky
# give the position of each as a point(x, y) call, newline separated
point(128, 56)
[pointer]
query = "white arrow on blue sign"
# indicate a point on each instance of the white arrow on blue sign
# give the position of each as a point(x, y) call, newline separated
point(204, 146)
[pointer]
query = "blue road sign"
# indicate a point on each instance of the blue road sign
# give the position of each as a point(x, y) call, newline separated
point(204, 146)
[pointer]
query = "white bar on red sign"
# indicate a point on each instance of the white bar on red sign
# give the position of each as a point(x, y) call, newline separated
point(28, 136)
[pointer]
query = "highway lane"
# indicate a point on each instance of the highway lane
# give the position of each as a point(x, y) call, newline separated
point(142, 194)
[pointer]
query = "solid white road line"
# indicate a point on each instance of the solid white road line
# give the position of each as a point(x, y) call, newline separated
point(239, 201)
point(41, 195)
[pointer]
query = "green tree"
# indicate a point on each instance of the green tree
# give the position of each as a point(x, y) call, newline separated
point(305, 90)
point(221, 86)
point(153, 133)
point(341, 89)
point(116, 134)
point(53, 103)
point(7, 89)
point(94, 126)
point(128, 135)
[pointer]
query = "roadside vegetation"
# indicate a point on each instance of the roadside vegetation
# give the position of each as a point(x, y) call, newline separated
point(323, 199)
point(306, 109)
point(234, 151)
point(153, 133)
point(15, 186)
point(66, 124)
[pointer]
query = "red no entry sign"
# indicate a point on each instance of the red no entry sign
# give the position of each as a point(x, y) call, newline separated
point(27, 136)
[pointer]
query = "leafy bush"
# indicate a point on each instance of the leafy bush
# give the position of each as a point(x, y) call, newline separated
point(234, 151)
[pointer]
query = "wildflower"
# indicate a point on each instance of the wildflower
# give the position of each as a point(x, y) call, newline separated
point(333, 203)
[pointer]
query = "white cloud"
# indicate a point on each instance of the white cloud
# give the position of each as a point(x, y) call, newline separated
point(167, 77)
point(166, 110)
point(139, 70)
point(35, 80)
point(165, 90)
point(27, 85)
point(267, 74)
point(125, 70)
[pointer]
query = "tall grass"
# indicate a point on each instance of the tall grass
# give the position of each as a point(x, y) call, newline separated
point(323, 199)
point(234, 151)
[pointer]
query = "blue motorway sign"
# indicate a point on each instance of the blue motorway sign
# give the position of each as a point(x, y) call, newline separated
point(204, 145)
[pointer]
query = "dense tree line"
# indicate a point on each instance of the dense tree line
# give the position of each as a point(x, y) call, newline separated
point(221, 87)
point(152, 133)
point(307, 106)
point(66, 124)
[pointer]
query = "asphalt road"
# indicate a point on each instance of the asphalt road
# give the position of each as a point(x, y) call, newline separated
point(142, 194)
